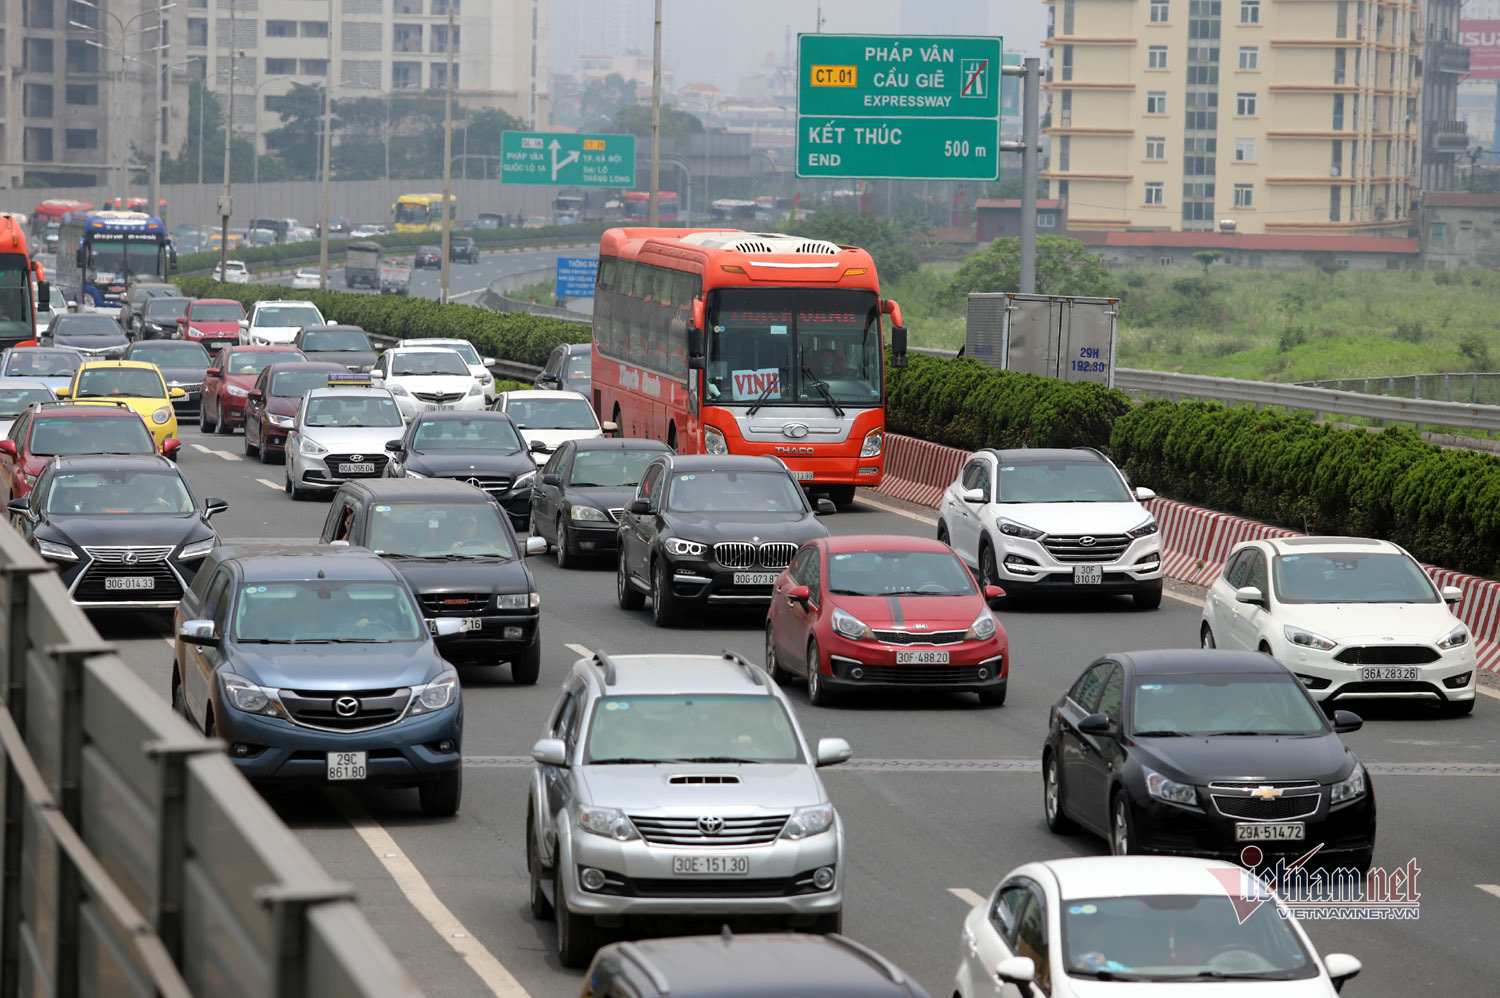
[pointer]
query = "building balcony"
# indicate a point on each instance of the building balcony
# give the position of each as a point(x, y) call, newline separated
point(1448, 57)
point(1449, 136)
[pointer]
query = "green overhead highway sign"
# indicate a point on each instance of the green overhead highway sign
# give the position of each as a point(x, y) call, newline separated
point(567, 159)
point(900, 107)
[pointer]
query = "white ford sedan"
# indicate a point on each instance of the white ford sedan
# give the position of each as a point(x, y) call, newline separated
point(1355, 618)
point(1136, 927)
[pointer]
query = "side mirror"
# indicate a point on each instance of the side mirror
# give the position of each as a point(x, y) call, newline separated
point(1250, 594)
point(972, 495)
point(1017, 970)
point(377, 375)
point(546, 379)
point(537, 447)
point(550, 752)
point(44, 292)
point(536, 545)
point(244, 323)
point(213, 505)
point(1144, 494)
point(1341, 967)
point(394, 446)
point(198, 632)
point(639, 506)
point(338, 544)
point(182, 321)
point(825, 507)
point(1451, 594)
point(898, 346)
point(445, 627)
point(176, 393)
point(799, 594)
point(832, 751)
point(553, 480)
point(214, 372)
point(256, 393)
point(21, 505)
point(1345, 721)
point(170, 447)
point(609, 427)
point(697, 362)
point(8, 447)
point(1094, 724)
point(63, 392)
point(993, 593)
point(79, 257)
point(695, 335)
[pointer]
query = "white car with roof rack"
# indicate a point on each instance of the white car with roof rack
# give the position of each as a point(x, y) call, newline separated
point(424, 378)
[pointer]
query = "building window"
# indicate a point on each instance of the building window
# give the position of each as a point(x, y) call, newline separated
point(1164, 261)
point(1249, 57)
point(81, 138)
point(438, 74)
point(1156, 102)
point(1249, 11)
point(1046, 220)
point(1154, 191)
point(1156, 57)
point(1340, 61)
point(1064, 153)
point(1465, 224)
point(1244, 195)
point(281, 29)
point(1066, 116)
point(82, 94)
point(81, 57)
point(1156, 147)
point(440, 38)
point(314, 67)
point(1338, 112)
point(36, 56)
point(197, 31)
point(38, 145)
point(1067, 62)
point(281, 67)
point(408, 7)
point(313, 29)
point(36, 100)
point(406, 38)
point(37, 14)
point(406, 74)
point(1244, 150)
point(1244, 105)
point(1436, 230)
point(441, 6)
point(1161, 11)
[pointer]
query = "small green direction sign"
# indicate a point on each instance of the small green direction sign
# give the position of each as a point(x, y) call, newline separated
point(901, 107)
point(566, 159)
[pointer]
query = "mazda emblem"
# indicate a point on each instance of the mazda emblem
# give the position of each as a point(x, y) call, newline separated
point(795, 430)
point(711, 824)
point(1088, 542)
point(356, 457)
point(346, 706)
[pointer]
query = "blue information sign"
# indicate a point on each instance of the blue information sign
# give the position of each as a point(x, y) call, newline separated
point(575, 276)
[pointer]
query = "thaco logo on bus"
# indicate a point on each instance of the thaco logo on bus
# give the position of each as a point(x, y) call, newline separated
point(750, 385)
point(636, 381)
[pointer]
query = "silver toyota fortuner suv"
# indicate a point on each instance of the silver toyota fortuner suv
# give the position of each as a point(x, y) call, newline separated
point(679, 785)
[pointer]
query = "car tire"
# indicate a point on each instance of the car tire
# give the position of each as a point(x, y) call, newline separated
point(179, 702)
point(251, 450)
point(942, 534)
point(1148, 599)
point(527, 666)
point(565, 558)
point(440, 797)
point(1058, 822)
point(1121, 827)
point(578, 936)
point(297, 494)
point(541, 908)
point(628, 596)
point(265, 452)
point(1206, 638)
point(993, 697)
point(221, 424)
point(1457, 708)
point(664, 609)
point(773, 664)
point(989, 574)
point(818, 694)
point(204, 426)
point(842, 495)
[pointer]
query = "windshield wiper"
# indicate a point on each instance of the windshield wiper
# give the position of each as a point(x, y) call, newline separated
point(1237, 734)
point(851, 592)
point(1115, 975)
point(916, 592)
point(718, 758)
point(627, 761)
point(360, 641)
point(1222, 975)
point(823, 390)
point(761, 398)
point(1159, 734)
point(585, 485)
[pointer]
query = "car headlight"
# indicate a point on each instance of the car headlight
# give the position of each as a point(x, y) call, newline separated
point(678, 546)
point(518, 601)
point(1011, 528)
point(874, 441)
point(1307, 639)
point(983, 627)
point(850, 626)
point(807, 821)
point(475, 389)
point(55, 551)
point(1456, 638)
point(435, 695)
point(487, 378)
point(197, 549)
point(285, 421)
point(398, 390)
point(310, 447)
point(414, 474)
point(610, 822)
point(237, 391)
point(1146, 529)
point(161, 415)
point(713, 441)
point(1162, 788)
point(590, 513)
point(523, 481)
point(1350, 787)
point(252, 699)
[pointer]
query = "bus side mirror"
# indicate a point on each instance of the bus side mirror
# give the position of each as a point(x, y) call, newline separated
point(695, 336)
point(44, 292)
point(79, 258)
point(898, 346)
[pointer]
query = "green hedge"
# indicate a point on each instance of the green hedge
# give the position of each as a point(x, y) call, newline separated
point(965, 404)
point(525, 339)
point(1283, 468)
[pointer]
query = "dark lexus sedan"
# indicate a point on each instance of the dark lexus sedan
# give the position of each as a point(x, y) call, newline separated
point(483, 449)
point(182, 363)
point(337, 344)
point(96, 335)
point(459, 556)
point(124, 531)
point(158, 318)
point(1203, 753)
point(711, 529)
point(577, 501)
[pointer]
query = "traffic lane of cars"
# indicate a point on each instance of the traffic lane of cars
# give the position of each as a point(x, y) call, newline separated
point(462, 278)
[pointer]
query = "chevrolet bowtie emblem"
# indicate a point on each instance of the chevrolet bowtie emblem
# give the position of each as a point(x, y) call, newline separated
point(1266, 793)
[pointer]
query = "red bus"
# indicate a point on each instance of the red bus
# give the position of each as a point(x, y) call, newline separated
point(53, 212)
point(638, 206)
point(21, 284)
point(720, 341)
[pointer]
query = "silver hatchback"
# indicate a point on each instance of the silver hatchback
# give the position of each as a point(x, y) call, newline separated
point(682, 786)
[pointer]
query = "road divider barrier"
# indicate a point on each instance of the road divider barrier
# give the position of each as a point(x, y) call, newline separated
point(918, 471)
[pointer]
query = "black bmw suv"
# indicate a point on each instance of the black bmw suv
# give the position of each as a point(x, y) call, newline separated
point(711, 529)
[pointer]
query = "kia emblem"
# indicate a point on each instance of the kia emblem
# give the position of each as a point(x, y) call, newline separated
point(346, 706)
point(1087, 541)
point(711, 824)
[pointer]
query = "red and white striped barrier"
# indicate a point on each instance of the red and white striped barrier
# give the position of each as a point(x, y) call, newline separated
point(1188, 534)
point(918, 471)
point(1233, 530)
point(1480, 609)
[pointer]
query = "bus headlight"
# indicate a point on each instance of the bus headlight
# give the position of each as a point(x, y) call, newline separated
point(713, 441)
point(874, 441)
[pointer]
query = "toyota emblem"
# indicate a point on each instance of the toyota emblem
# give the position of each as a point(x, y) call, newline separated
point(356, 457)
point(1087, 541)
point(346, 706)
point(711, 824)
point(795, 430)
point(130, 558)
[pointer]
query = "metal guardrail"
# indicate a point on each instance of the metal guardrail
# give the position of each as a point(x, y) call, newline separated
point(136, 860)
point(512, 370)
point(1477, 389)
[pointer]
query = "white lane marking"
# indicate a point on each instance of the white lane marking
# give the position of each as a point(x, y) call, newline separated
point(965, 895)
point(1487, 692)
point(1181, 598)
point(278, 486)
point(919, 517)
point(171, 643)
point(222, 454)
point(201, 449)
point(1490, 889)
point(580, 650)
point(409, 879)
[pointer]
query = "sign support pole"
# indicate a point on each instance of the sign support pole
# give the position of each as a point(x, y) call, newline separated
point(1030, 99)
point(655, 116)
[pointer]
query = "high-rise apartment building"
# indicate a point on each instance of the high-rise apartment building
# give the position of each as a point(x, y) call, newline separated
point(1445, 137)
point(1287, 116)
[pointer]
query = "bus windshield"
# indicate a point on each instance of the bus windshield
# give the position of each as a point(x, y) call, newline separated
point(115, 254)
point(783, 346)
point(408, 213)
point(16, 320)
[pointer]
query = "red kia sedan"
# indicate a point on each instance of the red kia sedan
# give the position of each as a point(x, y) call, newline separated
point(885, 612)
point(48, 429)
point(227, 383)
point(213, 322)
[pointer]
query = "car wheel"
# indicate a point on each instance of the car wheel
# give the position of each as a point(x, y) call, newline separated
point(663, 600)
point(565, 558)
point(773, 664)
point(265, 452)
point(628, 596)
point(527, 666)
point(221, 425)
point(291, 489)
point(942, 534)
point(204, 426)
point(989, 575)
point(179, 702)
point(1457, 708)
point(578, 936)
point(993, 697)
point(1052, 797)
point(1207, 638)
point(1121, 832)
point(440, 797)
point(541, 908)
point(251, 450)
point(818, 694)
point(1148, 599)
point(842, 495)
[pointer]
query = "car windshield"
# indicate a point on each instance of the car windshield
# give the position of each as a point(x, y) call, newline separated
point(317, 612)
point(609, 468)
point(217, 313)
point(255, 361)
point(1223, 703)
point(181, 354)
point(97, 493)
point(551, 414)
point(288, 315)
point(433, 250)
point(42, 363)
point(580, 365)
point(466, 435)
point(335, 339)
point(464, 350)
point(166, 308)
point(433, 363)
point(307, 272)
point(13, 401)
point(1350, 577)
point(438, 530)
point(87, 325)
point(129, 382)
point(896, 572)
point(1060, 481)
point(125, 434)
point(1176, 937)
point(351, 410)
point(734, 492)
point(295, 384)
point(683, 727)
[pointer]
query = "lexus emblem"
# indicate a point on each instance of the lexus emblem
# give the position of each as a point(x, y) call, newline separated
point(795, 430)
point(711, 824)
point(130, 558)
point(346, 706)
point(1087, 541)
point(356, 457)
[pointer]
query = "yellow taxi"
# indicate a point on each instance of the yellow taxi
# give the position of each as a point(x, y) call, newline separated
point(137, 384)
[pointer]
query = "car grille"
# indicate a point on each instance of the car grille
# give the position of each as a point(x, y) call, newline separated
point(334, 460)
point(920, 637)
point(438, 397)
point(117, 554)
point(454, 604)
point(318, 708)
point(616, 513)
point(1071, 547)
point(743, 554)
point(1272, 809)
point(91, 585)
point(918, 675)
point(1388, 655)
point(494, 486)
point(685, 831)
point(736, 887)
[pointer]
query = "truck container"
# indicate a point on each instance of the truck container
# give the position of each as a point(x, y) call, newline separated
point(1060, 336)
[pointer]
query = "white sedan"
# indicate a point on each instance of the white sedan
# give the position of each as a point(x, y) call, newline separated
point(235, 272)
point(423, 378)
point(548, 418)
point(1353, 617)
point(466, 350)
point(1133, 927)
point(306, 279)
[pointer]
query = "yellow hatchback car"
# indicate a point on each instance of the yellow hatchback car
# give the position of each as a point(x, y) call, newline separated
point(137, 384)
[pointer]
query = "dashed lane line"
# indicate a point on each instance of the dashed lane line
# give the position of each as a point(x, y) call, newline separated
point(278, 486)
point(490, 971)
point(579, 650)
point(222, 454)
point(965, 895)
point(1490, 889)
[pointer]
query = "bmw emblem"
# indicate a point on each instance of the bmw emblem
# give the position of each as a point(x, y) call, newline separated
point(346, 706)
point(711, 824)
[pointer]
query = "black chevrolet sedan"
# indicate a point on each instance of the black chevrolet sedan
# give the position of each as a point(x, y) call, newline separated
point(581, 493)
point(124, 531)
point(711, 529)
point(1204, 753)
point(482, 449)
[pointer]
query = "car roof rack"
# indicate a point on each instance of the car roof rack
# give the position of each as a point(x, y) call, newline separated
point(751, 670)
point(637, 956)
point(603, 661)
point(74, 403)
point(889, 969)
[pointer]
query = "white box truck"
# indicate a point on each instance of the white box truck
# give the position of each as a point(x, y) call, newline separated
point(1060, 336)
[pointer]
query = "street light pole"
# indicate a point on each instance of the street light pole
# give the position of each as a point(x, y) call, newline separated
point(448, 166)
point(655, 117)
point(327, 157)
point(255, 150)
point(226, 201)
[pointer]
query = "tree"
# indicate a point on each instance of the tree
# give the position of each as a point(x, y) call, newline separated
point(675, 125)
point(603, 99)
point(1208, 258)
point(183, 168)
point(880, 237)
point(297, 140)
point(1063, 267)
